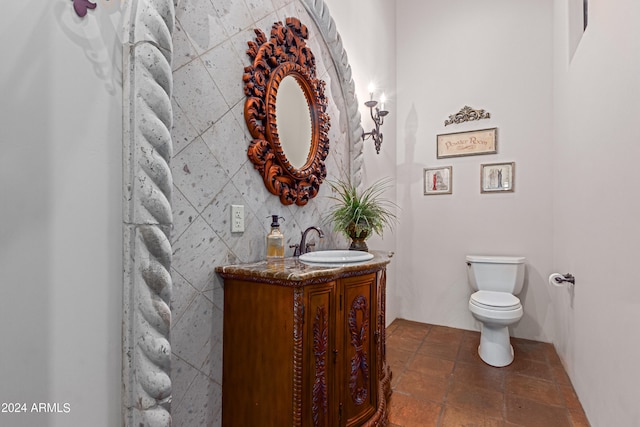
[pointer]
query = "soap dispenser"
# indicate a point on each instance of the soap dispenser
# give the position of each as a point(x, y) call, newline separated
point(275, 240)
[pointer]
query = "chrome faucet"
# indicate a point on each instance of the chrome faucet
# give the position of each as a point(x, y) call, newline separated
point(303, 247)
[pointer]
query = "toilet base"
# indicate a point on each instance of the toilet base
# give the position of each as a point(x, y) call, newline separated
point(495, 345)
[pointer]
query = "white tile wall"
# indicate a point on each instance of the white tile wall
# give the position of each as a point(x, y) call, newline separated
point(211, 171)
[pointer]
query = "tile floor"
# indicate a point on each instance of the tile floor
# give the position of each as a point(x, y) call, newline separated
point(439, 380)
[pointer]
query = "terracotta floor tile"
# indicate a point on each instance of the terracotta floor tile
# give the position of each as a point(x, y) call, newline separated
point(423, 386)
point(435, 385)
point(431, 366)
point(412, 331)
point(477, 400)
point(530, 368)
point(552, 356)
point(406, 411)
point(471, 337)
point(470, 356)
point(534, 414)
point(400, 322)
point(469, 349)
point(479, 375)
point(569, 397)
point(393, 326)
point(445, 334)
point(532, 350)
point(454, 417)
point(444, 350)
point(531, 388)
point(466, 334)
point(398, 358)
point(560, 375)
point(578, 418)
point(403, 343)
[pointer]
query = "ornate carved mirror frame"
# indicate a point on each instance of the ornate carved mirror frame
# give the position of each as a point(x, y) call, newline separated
point(284, 54)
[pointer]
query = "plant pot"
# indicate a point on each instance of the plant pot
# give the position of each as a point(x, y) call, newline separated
point(358, 242)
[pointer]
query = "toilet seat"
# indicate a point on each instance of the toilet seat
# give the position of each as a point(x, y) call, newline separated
point(498, 301)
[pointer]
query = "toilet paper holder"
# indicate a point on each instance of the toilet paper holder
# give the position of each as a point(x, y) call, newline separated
point(565, 278)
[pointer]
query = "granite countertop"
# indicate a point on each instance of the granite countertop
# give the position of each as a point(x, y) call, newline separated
point(295, 272)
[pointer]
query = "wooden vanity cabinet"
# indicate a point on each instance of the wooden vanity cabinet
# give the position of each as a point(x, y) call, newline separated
point(305, 352)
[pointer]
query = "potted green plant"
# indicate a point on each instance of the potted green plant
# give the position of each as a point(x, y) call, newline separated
point(358, 214)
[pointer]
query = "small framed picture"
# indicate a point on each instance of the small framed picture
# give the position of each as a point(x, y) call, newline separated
point(497, 177)
point(438, 180)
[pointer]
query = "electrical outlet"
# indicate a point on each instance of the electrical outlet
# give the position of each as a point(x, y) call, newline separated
point(237, 218)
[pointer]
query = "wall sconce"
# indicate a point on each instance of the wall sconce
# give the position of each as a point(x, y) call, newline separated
point(377, 117)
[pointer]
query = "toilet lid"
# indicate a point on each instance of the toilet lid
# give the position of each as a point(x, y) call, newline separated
point(495, 300)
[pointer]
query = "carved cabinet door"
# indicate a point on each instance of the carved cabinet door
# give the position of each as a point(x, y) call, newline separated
point(357, 365)
point(318, 408)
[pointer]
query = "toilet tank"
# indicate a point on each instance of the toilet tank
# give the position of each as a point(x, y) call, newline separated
point(496, 273)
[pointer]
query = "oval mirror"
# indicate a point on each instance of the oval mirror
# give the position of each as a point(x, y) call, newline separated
point(293, 121)
point(285, 111)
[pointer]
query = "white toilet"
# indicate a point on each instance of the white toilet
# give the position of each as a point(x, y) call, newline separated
point(497, 280)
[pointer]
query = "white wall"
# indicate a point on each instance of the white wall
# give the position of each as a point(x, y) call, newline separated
point(367, 29)
point(451, 54)
point(596, 208)
point(60, 212)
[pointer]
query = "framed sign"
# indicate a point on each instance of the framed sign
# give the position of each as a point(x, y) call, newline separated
point(497, 177)
point(437, 180)
point(469, 143)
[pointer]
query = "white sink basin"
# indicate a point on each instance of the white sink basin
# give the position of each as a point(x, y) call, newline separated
point(335, 257)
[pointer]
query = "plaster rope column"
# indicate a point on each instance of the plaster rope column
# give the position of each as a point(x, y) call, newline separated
point(147, 216)
point(327, 26)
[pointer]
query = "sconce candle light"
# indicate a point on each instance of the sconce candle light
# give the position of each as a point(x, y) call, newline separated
point(377, 117)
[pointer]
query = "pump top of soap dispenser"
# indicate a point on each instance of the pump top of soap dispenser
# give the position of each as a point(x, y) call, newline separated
point(274, 220)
